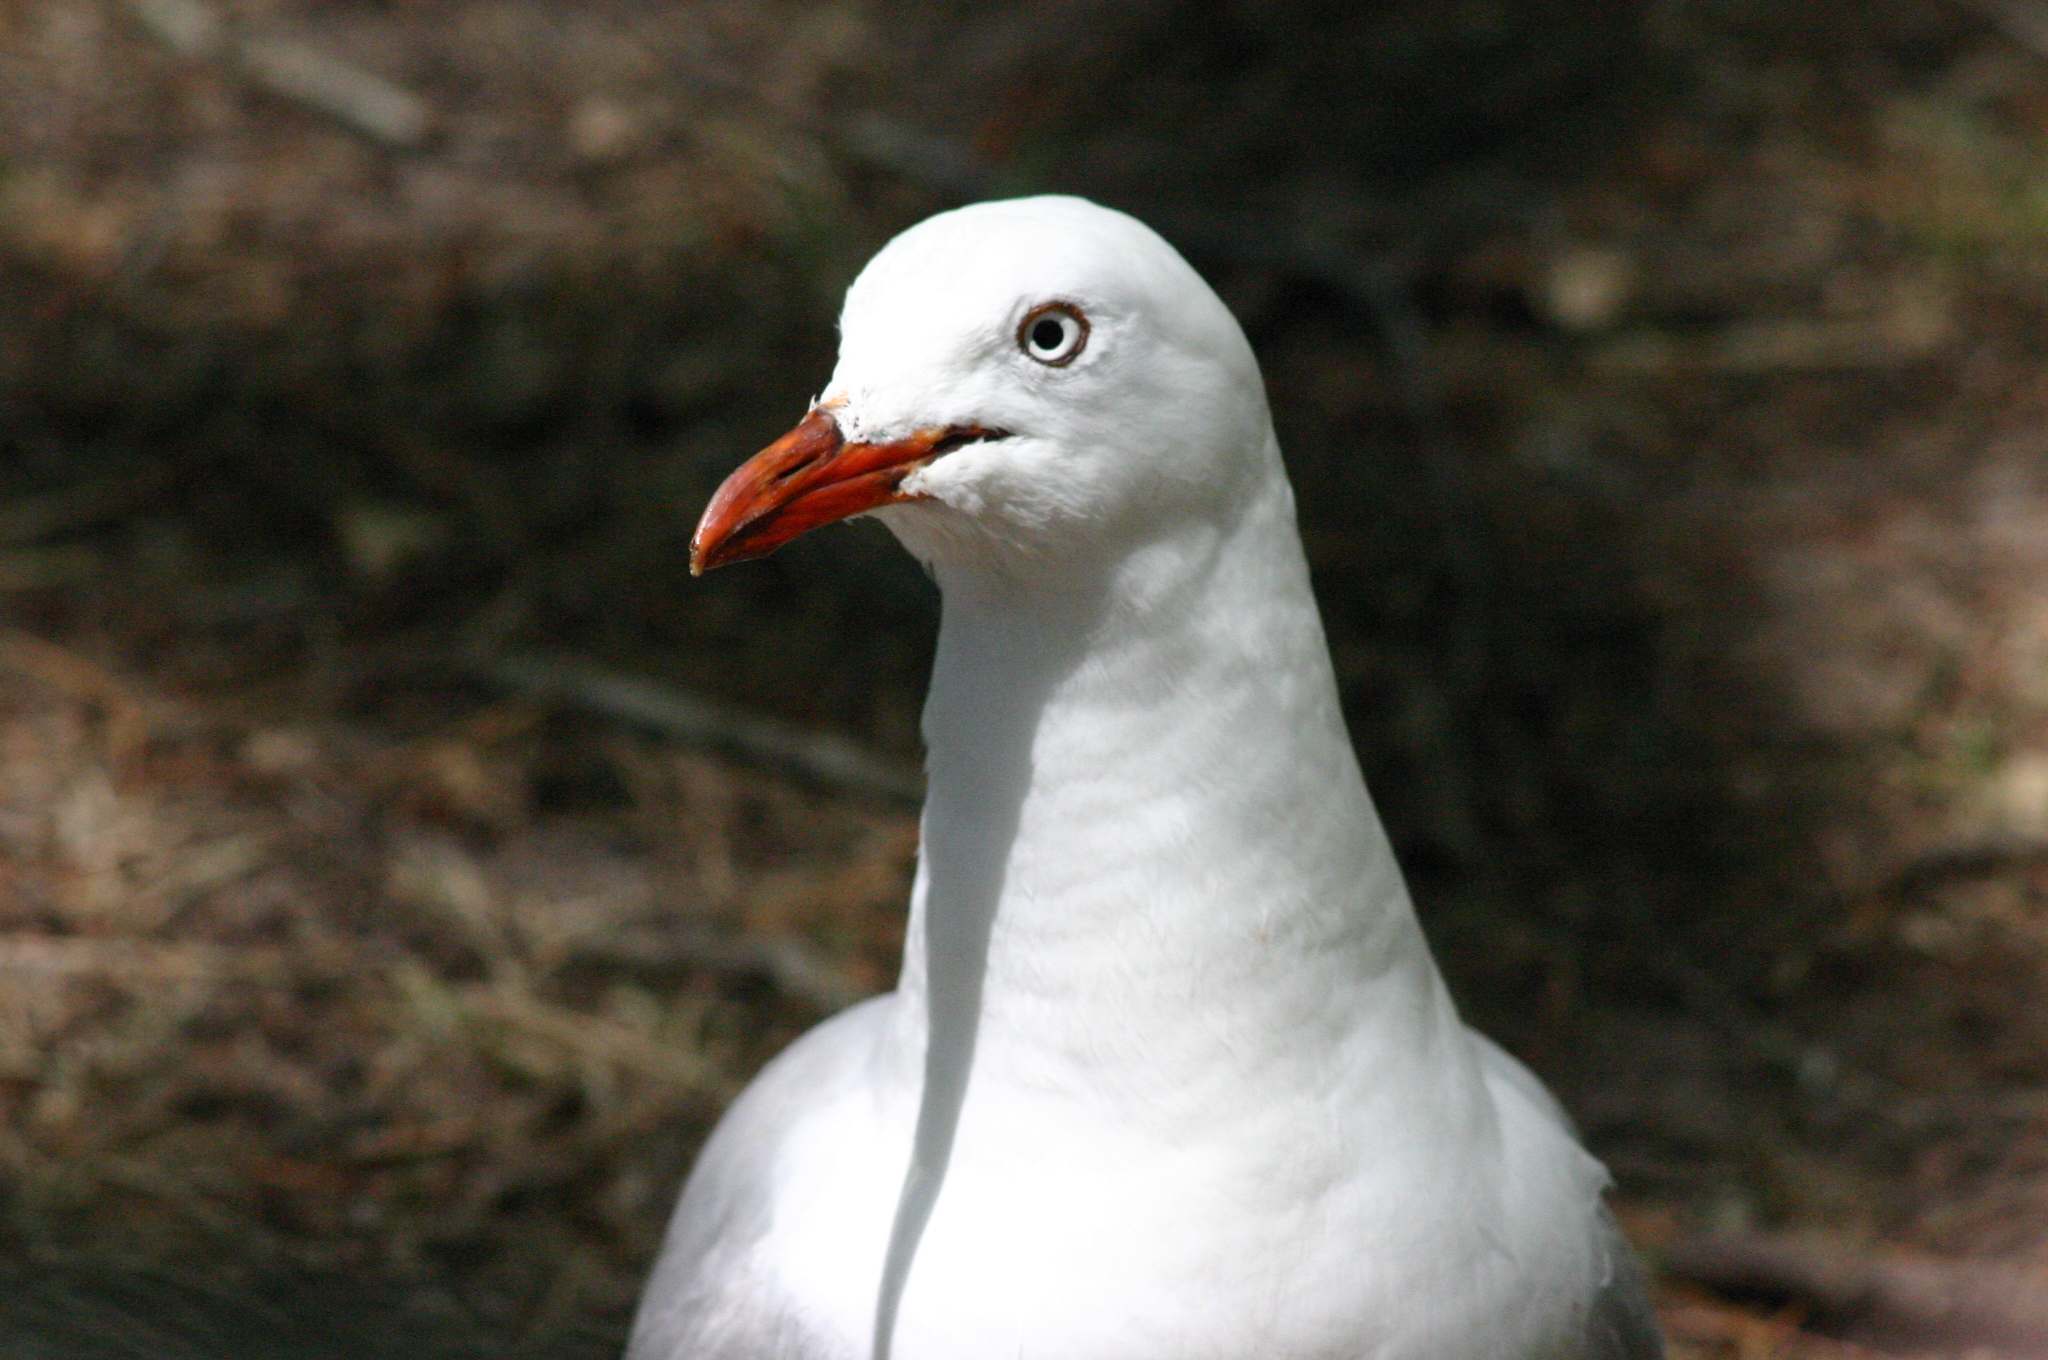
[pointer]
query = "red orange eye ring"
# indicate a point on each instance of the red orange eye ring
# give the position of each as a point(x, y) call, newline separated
point(1063, 337)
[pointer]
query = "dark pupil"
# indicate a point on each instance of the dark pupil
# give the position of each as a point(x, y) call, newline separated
point(1047, 334)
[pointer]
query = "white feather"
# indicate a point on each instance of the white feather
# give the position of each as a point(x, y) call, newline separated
point(1171, 1060)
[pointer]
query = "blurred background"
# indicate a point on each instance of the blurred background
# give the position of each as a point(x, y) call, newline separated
point(402, 860)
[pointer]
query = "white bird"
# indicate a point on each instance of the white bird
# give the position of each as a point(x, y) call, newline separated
point(1170, 1073)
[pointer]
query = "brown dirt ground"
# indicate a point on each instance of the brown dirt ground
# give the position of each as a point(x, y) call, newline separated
point(1663, 388)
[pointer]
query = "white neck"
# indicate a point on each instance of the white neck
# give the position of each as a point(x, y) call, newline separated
point(1152, 884)
point(1149, 857)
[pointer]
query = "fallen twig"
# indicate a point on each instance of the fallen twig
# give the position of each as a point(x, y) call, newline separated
point(362, 99)
point(593, 1037)
point(190, 28)
point(790, 965)
point(139, 962)
point(1875, 1291)
point(1963, 857)
point(294, 70)
point(819, 755)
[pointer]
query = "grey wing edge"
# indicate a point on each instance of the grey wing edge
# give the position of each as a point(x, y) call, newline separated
point(1622, 1325)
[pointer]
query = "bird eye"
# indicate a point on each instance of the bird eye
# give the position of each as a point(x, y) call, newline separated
point(1053, 334)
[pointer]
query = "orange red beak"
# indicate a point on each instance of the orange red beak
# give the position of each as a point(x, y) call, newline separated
point(811, 476)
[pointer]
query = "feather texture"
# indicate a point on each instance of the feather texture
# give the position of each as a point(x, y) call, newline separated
point(1170, 1073)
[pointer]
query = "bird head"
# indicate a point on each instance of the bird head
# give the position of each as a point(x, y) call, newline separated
point(1032, 376)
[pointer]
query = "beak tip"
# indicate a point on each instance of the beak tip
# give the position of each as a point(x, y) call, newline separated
point(810, 476)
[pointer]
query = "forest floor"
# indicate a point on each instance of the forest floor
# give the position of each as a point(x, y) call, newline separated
point(396, 874)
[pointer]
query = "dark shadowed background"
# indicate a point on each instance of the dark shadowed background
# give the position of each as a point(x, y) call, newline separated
point(402, 859)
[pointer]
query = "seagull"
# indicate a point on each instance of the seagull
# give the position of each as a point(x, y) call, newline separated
point(1170, 1072)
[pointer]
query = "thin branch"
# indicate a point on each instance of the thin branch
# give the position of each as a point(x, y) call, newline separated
point(1881, 1291)
point(363, 100)
point(785, 962)
point(190, 28)
point(298, 71)
point(821, 756)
